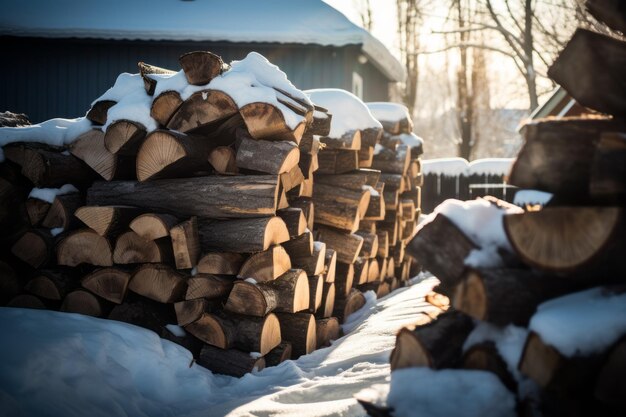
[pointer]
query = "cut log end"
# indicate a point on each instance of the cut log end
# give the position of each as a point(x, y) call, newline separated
point(84, 246)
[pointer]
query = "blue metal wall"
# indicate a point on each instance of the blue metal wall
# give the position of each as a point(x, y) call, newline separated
point(47, 78)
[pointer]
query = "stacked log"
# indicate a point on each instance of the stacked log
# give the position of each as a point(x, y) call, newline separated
point(556, 290)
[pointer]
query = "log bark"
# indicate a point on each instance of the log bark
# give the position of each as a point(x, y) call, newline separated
point(213, 197)
point(61, 213)
point(221, 263)
point(159, 283)
point(370, 244)
point(34, 247)
point(506, 296)
point(108, 283)
point(231, 362)
point(299, 330)
point(107, 221)
point(333, 161)
point(352, 180)
point(90, 148)
point(243, 235)
point(164, 106)
point(328, 301)
point(311, 264)
point(288, 293)
point(84, 246)
point(326, 331)
point(201, 67)
point(291, 179)
point(336, 201)
point(270, 157)
point(436, 345)
point(83, 302)
point(393, 161)
point(316, 288)
point(370, 136)
point(168, 154)
point(346, 245)
point(570, 239)
point(346, 306)
point(590, 69)
point(300, 246)
point(267, 265)
point(361, 271)
point(186, 243)
point(202, 109)
point(208, 286)
point(250, 334)
point(124, 137)
point(97, 114)
point(349, 140)
point(279, 354)
point(308, 209)
point(441, 248)
point(294, 220)
point(130, 248)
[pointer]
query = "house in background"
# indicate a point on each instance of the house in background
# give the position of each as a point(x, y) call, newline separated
point(58, 56)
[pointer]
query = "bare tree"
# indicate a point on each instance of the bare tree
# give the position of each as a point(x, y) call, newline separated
point(365, 11)
point(410, 17)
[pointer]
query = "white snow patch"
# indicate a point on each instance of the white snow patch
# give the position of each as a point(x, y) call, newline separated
point(255, 355)
point(490, 166)
point(582, 323)
point(411, 140)
point(194, 271)
point(449, 392)
point(523, 197)
point(388, 112)
point(56, 231)
point(448, 167)
point(176, 330)
point(251, 280)
point(49, 194)
point(349, 112)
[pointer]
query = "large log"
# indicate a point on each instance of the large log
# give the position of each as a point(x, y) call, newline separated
point(590, 69)
point(130, 248)
point(441, 248)
point(108, 221)
point(208, 286)
point(288, 293)
point(346, 306)
point(267, 156)
point(159, 283)
point(221, 263)
point(437, 344)
point(90, 148)
point(202, 109)
point(571, 239)
point(267, 265)
point(251, 334)
point(200, 67)
point(243, 235)
point(213, 197)
point(231, 362)
point(506, 296)
point(169, 154)
point(299, 330)
point(346, 245)
point(123, 137)
point(108, 283)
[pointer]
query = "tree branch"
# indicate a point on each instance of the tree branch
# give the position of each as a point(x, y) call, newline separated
point(469, 45)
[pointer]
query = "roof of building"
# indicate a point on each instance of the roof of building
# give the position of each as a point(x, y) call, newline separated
point(269, 21)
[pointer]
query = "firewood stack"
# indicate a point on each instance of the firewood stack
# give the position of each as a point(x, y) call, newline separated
point(553, 289)
point(178, 214)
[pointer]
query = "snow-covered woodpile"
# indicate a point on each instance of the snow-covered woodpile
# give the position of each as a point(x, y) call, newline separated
point(184, 203)
point(537, 297)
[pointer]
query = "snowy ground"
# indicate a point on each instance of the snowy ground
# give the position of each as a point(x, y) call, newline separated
point(59, 364)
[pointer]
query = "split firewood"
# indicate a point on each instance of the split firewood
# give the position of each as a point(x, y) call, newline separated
point(124, 137)
point(270, 157)
point(380, 288)
point(506, 296)
point(231, 362)
point(50, 285)
point(243, 235)
point(349, 140)
point(208, 286)
point(316, 288)
point(373, 271)
point(97, 114)
point(185, 243)
point(326, 331)
point(164, 106)
point(346, 306)
point(84, 246)
point(130, 248)
point(90, 148)
point(352, 180)
point(288, 293)
point(370, 244)
point(145, 313)
point(376, 210)
point(398, 252)
point(146, 70)
point(328, 301)
point(292, 178)
point(299, 330)
point(61, 213)
point(485, 357)
point(392, 161)
point(346, 245)
point(437, 344)
point(213, 197)
point(27, 301)
point(590, 69)
point(35, 247)
point(221, 263)
point(294, 220)
point(366, 157)
point(223, 160)
point(320, 124)
point(108, 283)
point(392, 232)
point(330, 199)
point(153, 226)
point(570, 239)
point(169, 154)
point(361, 271)
point(202, 109)
point(312, 264)
point(83, 302)
point(201, 67)
point(267, 265)
point(158, 282)
point(344, 279)
point(108, 221)
point(383, 243)
point(251, 334)
point(279, 354)
point(265, 121)
point(189, 311)
point(330, 265)
point(300, 246)
point(370, 136)
point(308, 209)
point(36, 209)
point(333, 161)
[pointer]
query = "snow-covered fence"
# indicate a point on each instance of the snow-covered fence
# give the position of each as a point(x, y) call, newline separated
point(446, 178)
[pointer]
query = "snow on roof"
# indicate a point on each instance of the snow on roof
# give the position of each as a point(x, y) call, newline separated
point(490, 166)
point(450, 167)
point(349, 112)
point(388, 112)
point(582, 323)
point(274, 21)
